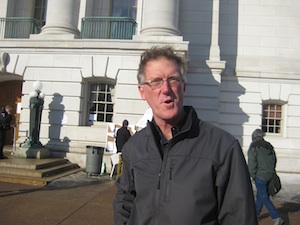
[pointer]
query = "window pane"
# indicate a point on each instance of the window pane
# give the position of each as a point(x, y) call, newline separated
point(101, 107)
point(93, 97)
point(94, 87)
point(101, 97)
point(109, 108)
point(124, 8)
point(102, 87)
point(92, 107)
point(108, 117)
point(100, 117)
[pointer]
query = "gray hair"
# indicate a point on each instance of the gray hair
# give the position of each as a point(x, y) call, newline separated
point(257, 134)
point(156, 52)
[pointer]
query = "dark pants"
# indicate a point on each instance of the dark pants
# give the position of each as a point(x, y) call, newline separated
point(2, 141)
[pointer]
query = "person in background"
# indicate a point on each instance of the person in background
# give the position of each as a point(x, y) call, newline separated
point(262, 163)
point(5, 120)
point(179, 169)
point(123, 135)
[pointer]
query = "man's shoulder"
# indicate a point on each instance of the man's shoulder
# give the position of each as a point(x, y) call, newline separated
point(214, 130)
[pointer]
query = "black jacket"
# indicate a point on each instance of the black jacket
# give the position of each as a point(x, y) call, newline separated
point(5, 120)
point(122, 137)
point(202, 179)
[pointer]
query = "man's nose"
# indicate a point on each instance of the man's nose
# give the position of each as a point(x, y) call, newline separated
point(166, 86)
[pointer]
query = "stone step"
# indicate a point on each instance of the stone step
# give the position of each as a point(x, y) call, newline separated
point(45, 172)
point(35, 180)
point(35, 171)
point(31, 164)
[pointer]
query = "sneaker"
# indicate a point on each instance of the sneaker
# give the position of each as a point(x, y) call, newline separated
point(278, 222)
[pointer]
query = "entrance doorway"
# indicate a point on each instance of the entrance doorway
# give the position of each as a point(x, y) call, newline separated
point(10, 94)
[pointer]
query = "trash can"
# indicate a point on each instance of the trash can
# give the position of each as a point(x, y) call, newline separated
point(94, 157)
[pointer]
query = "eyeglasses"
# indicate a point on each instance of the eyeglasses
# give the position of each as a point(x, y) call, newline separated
point(158, 82)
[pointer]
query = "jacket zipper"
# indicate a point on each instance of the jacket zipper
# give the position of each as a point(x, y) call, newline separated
point(171, 171)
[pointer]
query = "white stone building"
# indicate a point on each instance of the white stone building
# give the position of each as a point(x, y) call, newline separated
point(244, 63)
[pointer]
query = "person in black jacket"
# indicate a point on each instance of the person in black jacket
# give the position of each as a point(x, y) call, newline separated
point(262, 163)
point(123, 135)
point(179, 169)
point(5, 119)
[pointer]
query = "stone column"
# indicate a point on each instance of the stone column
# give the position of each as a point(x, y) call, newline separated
point(62, 18)
point(160, 18)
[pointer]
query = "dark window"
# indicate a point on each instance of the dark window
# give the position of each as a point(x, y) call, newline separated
point(100, 103)
point(124, 8)
point(272, 118)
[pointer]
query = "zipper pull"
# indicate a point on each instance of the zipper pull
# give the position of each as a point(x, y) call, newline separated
point(158, 183)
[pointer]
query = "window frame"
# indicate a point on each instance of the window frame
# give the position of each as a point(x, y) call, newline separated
point(98, 101)
point(265, 125)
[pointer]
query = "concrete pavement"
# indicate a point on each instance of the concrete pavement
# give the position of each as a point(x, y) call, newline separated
point(81, 200)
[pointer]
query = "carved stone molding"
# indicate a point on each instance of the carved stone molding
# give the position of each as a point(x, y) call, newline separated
point(3, 61)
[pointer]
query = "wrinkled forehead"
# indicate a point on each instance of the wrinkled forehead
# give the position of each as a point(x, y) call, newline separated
point(162, 66)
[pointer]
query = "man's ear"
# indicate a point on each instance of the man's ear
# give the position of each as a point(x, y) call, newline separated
point(141, 90)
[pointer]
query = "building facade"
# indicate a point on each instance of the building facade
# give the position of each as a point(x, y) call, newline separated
point(244, 63)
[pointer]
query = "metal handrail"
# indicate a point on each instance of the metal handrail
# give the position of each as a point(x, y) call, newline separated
point(19, 27)
point(107, 27)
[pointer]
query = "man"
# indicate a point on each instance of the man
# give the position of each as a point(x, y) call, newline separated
point(262, 163)
point(180, 170)
point(123, 135)
point(5, 119)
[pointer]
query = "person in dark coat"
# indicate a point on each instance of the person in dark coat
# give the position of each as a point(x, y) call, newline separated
point(5, 120)
point(262, 163)
point(180, 170)
point(123, 135)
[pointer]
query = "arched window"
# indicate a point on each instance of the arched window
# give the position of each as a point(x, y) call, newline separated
point(272, 118)
point(101, 102)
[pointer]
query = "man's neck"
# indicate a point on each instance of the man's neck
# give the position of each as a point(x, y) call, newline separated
point(166, 127)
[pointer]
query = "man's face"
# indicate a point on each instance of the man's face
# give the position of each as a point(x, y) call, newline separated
point(166, 101)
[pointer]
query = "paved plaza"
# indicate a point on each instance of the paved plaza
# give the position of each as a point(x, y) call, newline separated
point(79, 199)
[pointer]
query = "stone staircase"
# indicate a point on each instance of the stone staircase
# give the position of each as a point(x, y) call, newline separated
point(37, 172)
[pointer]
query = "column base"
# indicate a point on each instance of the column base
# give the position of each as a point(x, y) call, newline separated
point(37, 153)
point(53, 36)
point(157, 38)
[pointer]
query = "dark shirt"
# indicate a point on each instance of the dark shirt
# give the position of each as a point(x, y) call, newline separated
point(164, 143)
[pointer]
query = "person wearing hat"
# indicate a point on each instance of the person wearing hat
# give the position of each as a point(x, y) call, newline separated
point(261, 163)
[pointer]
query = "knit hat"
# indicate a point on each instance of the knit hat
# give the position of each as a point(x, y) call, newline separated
point(257, 134)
